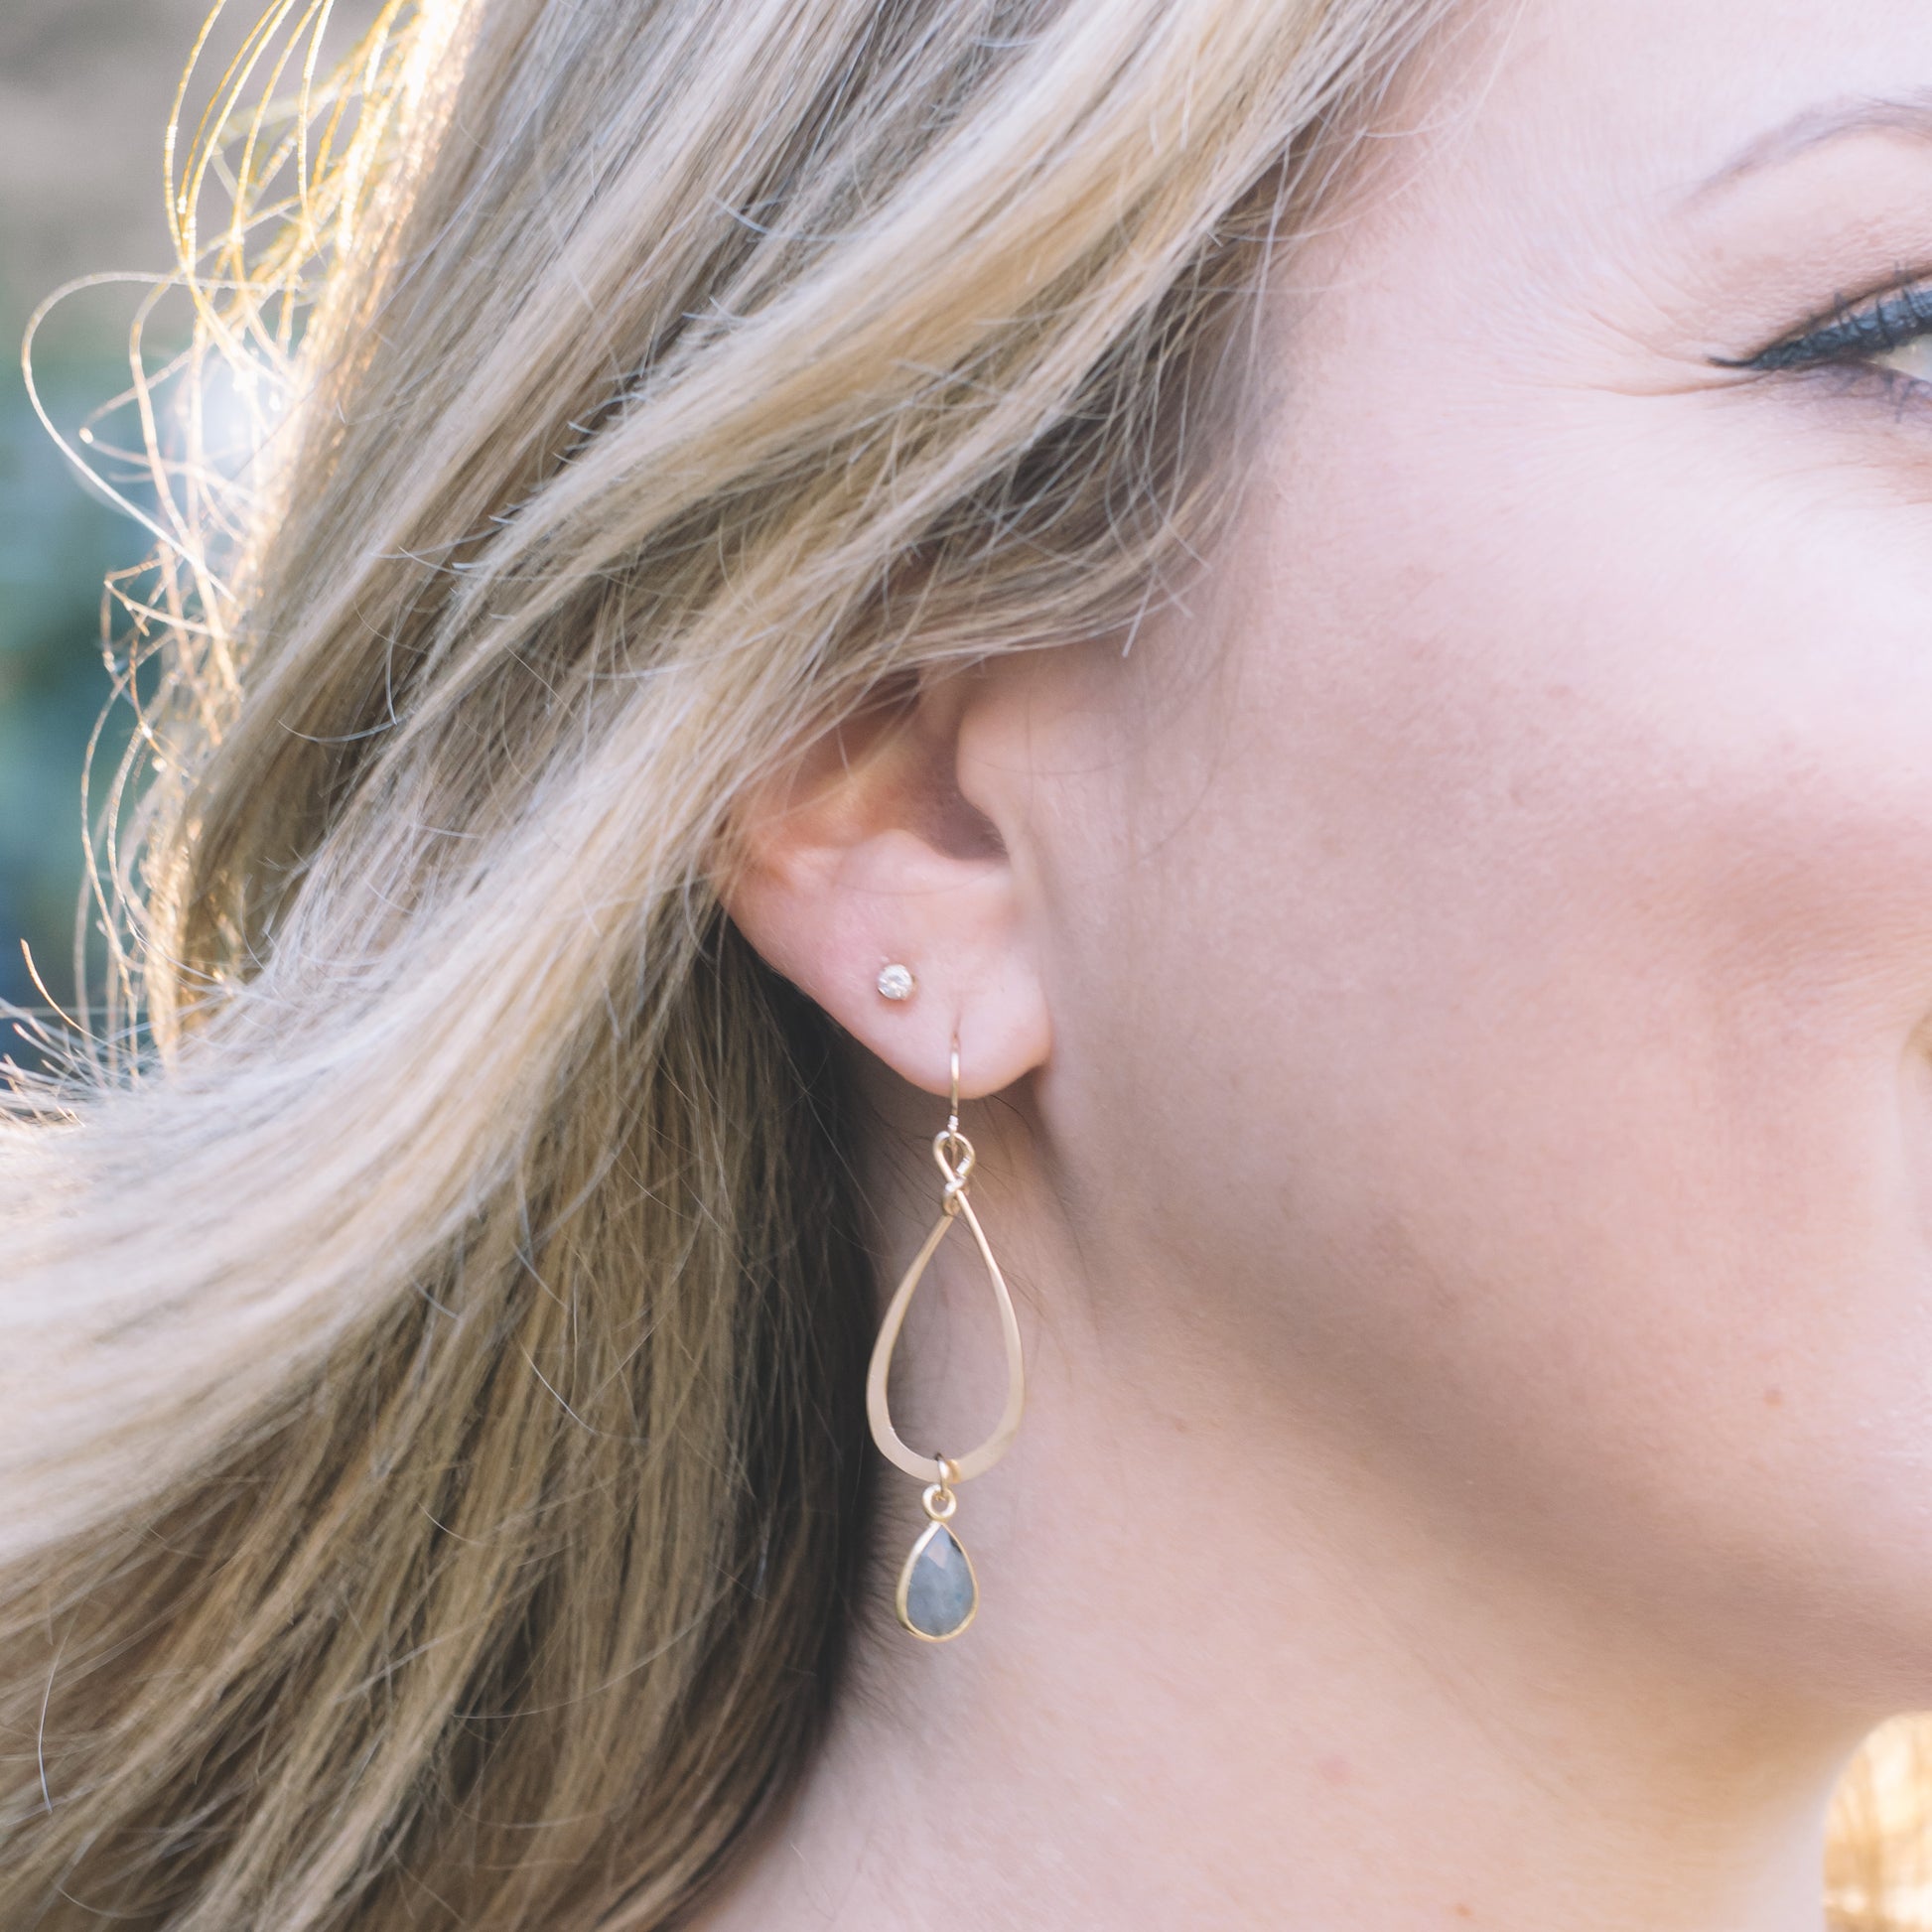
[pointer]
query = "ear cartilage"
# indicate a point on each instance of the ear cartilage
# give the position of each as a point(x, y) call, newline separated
point(897, 983)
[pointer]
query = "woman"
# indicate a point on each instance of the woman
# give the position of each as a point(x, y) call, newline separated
point(1325, 603)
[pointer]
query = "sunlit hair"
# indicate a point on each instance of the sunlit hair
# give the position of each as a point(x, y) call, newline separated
point(431, 1458)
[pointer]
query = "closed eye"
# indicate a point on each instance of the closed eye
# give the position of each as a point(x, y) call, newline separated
point(1890, 333)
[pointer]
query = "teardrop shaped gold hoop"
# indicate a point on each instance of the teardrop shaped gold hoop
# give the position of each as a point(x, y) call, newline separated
point(953, 1153)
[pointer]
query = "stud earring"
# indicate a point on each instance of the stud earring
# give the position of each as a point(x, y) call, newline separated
point(939, 1590)
point(897, 983)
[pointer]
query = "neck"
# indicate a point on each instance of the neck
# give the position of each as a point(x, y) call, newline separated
point(1225, 1675)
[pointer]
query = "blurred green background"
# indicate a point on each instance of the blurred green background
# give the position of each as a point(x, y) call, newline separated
point(85, 87)
point(55, 546)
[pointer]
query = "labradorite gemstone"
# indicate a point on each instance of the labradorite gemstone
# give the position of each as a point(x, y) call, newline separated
point(940, 1591)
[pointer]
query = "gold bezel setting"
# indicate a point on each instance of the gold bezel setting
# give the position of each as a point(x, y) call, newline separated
point(926, 1535)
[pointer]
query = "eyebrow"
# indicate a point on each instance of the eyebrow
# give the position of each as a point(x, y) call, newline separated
point(1907, 113)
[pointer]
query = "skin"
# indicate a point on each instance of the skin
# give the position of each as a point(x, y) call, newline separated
point(1457, 995)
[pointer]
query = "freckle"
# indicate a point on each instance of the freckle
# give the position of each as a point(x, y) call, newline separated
point(1334, 1769)
point(1774, 1398)
point(1463, 1911)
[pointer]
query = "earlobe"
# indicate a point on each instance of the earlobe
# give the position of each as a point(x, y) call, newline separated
point(863, 855)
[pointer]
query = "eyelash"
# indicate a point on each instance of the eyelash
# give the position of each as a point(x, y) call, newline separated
point(1850, 335)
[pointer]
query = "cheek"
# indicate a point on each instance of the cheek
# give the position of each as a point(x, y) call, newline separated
point(1532, 984)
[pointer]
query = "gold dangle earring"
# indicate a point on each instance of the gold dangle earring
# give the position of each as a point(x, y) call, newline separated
point(937, 1588)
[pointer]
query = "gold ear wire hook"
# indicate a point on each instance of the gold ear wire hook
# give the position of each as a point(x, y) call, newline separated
point(952, 1111)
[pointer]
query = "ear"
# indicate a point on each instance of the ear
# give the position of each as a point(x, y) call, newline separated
point(872, 849)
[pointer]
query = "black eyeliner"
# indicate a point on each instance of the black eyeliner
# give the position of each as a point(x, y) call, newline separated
point(1870, 329)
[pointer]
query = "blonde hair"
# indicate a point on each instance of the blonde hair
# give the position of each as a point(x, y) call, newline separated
point(432, 1472)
